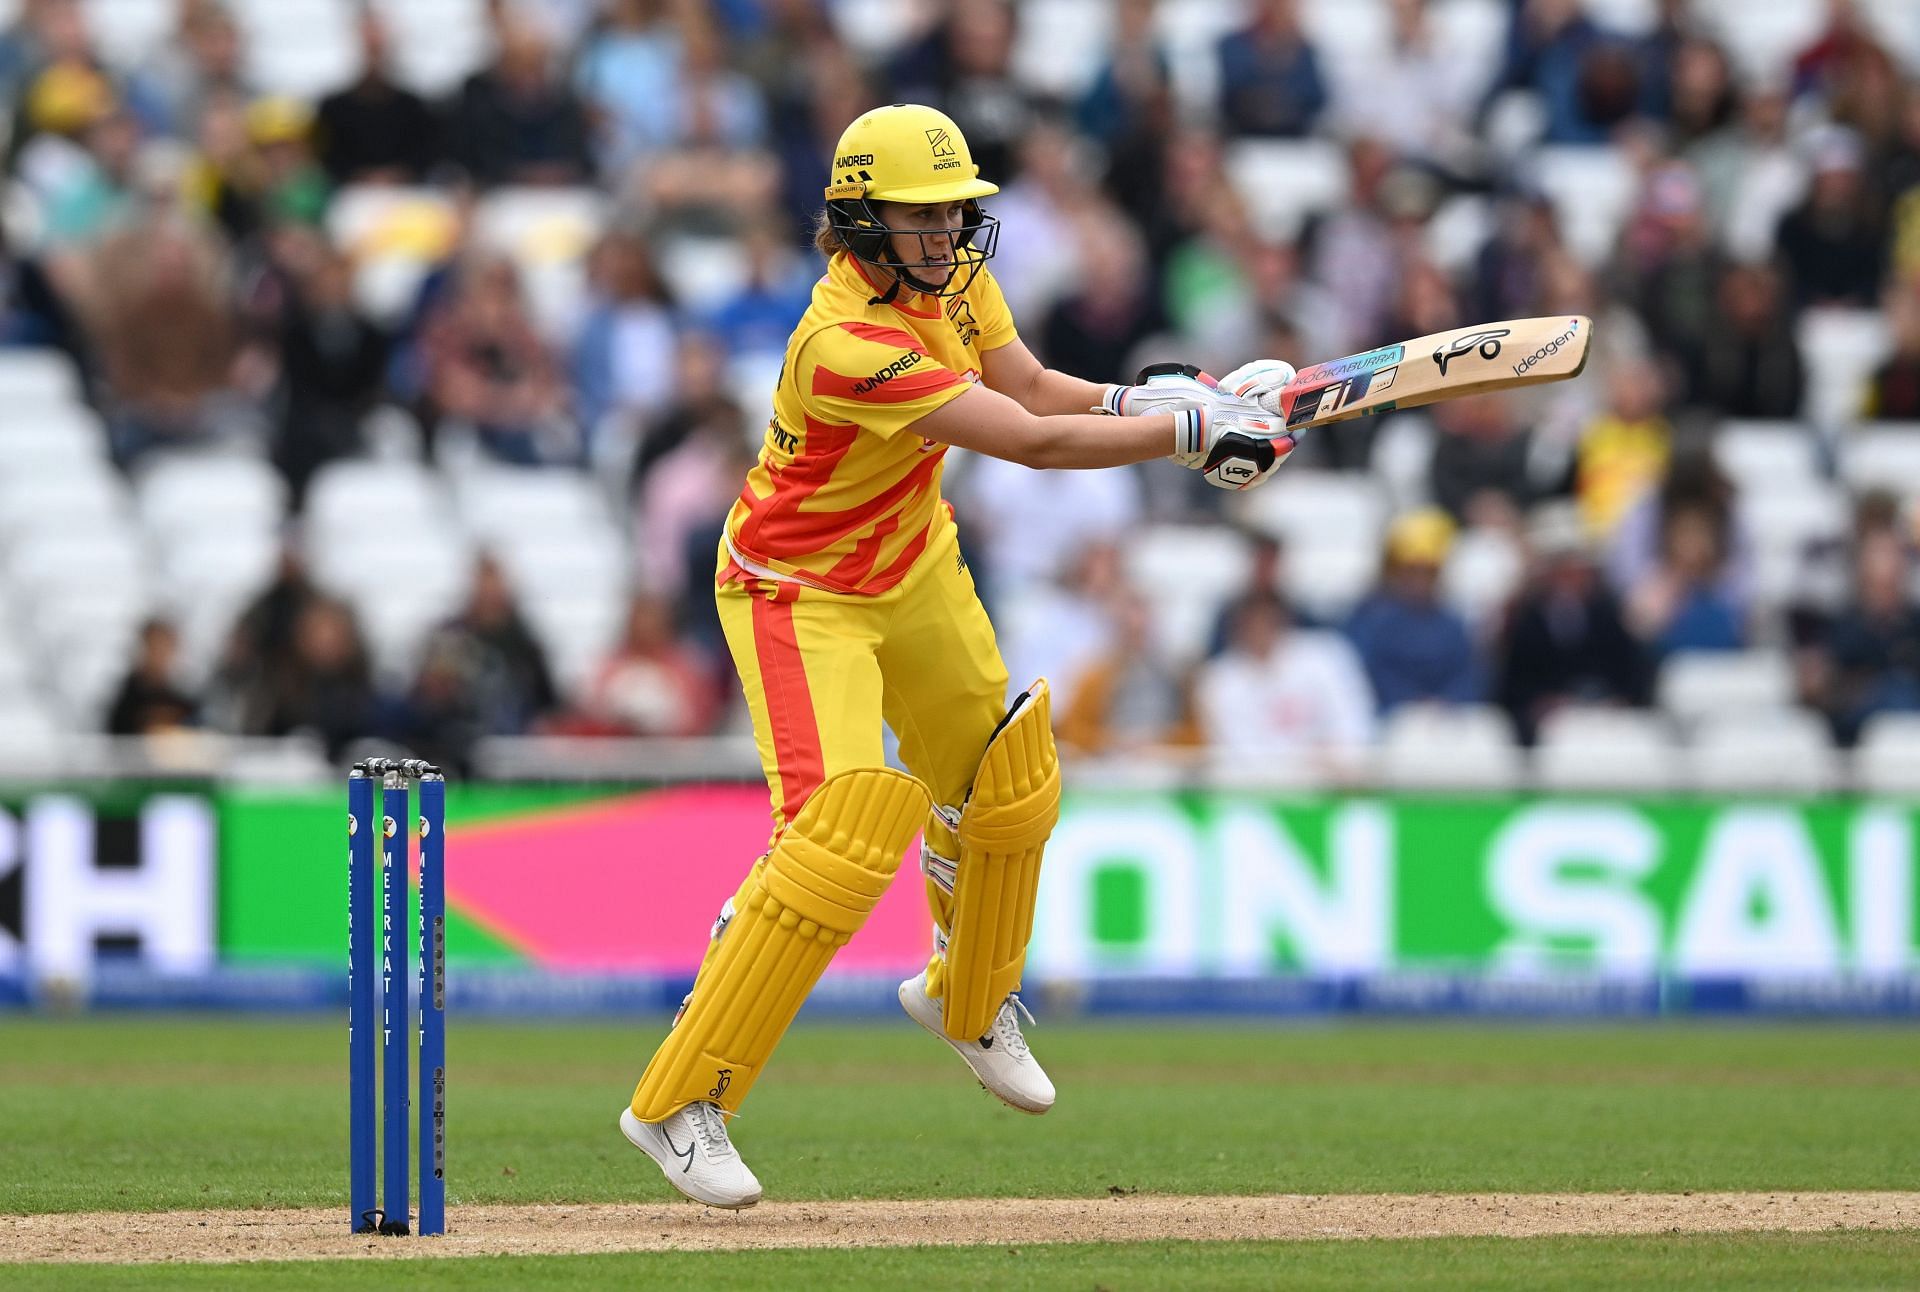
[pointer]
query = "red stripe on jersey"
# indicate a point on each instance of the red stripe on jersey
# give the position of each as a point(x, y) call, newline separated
point(783, 682)
point(913, 385)
point(886, 336)
point(901, 565)
point(799, 480)
point(790, 530)
point(853, 568)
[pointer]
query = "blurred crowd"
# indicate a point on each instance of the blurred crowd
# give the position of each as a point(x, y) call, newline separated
point(170, 228)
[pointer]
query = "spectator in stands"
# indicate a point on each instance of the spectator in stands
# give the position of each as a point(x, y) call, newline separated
point(1130, 92)
point(652, 92)
point(1834, 243)
point(1899, 177)
point(33, 310)
point(151, 700)
point(625, 355)
point(1355, 254)
point(1670, 262)
point(1750, 365)
point(159, 310)
point(1624, 447)
point(1565, 641)
point(333, 360)
point(1415, 648)
point(1270, 81)
point(255, 166)
point(1685, 601)
point(1509, 278)
point(23, 48)
point(1097, 327)
point(1752, 175)
point(700, 396)
point(653, 684)
point(65, 91)
point(1040, 251)
point(489, 372)
point(1266, 573)
point(81, 154)
point(1284, 696)
point(1057, 627)
point(374, 130)
point(1410, 93)
point(322, 685)
point(486, 670)
point(517, 121)
point(1825, 63)
point(1129, 699)
point(102, 192)
point(756, 318)
point(1703, 99)
point(831, 88)
point(1027, 528)
point(628, 74)
point(1480, 458)
point(1550, 51)
point(206, 57)
point(1893, 393)
point(1872, 649)
point(683, 500)
point(964, 63)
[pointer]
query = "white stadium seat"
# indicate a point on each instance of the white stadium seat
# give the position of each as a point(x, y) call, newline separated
point(1768, 456)
point(1761, 750)
point(1882, 456)
point(1283, 181)
point(1887, 759)
point(1695, 685)
point(29, 376)
point(1449, 747)
point(1187, 573)
point(1592, 190)
point(1482, 573)
point(1593, 748)
point(197, 492)
point(1841, 349)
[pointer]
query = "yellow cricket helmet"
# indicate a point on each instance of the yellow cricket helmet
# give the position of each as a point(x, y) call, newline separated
point(911, 153)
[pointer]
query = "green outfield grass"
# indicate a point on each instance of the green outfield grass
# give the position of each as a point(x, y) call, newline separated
point(152, 1113)
point(1698, 1263)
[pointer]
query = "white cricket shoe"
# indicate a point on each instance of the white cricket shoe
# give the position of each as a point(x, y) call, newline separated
point(692, 1150)
point(1001, 1059)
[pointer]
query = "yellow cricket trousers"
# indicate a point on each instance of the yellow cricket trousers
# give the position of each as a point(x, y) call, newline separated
point(822, 671)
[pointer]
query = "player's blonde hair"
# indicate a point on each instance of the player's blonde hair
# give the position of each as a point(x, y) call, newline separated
point(826, 239)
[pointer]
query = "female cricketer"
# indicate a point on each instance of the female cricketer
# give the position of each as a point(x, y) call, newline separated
point(846, 604)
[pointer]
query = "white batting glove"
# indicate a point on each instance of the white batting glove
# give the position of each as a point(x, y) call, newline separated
point(1161, 388)
point(1239, 445)
point(1260, 381)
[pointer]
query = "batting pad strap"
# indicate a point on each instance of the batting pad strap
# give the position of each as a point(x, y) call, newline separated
point(800, 904)
point(1003, 829)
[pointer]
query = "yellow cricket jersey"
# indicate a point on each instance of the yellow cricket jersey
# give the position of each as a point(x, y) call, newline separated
point(843, 497)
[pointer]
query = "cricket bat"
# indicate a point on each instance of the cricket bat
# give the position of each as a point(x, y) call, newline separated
point(1446, 365)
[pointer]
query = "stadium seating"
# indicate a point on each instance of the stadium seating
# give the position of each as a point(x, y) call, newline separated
point(1608, 749)
point(1763, 750)
point(1426, 747)
point(1887, 759)
point(1187, 573)
point(1697, 685)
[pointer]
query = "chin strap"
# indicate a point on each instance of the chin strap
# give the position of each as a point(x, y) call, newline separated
point(886, 297)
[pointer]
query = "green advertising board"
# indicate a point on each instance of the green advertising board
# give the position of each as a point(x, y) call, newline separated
point(1236, 884)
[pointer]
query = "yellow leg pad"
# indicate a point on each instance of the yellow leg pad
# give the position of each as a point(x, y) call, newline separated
point(1003, 828)
point(809, 895)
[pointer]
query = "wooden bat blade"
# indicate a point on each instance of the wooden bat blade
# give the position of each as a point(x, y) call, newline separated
point(1445, 365)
